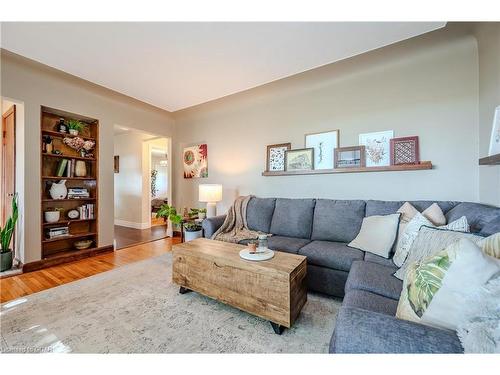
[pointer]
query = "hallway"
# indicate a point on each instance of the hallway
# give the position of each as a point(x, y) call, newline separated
point(125, 237)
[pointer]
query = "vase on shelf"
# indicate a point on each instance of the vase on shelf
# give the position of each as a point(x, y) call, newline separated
point(58, 190)
point(73, 131)
point(80, 168)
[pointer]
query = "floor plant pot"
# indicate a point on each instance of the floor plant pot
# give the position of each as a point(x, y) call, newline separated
point(6, 261)
point(192, 235)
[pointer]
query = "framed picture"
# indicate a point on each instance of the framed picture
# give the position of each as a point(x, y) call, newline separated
point(117, 163)
point(404, 150)
point(323, 144)
point(377, 148)
point(299, 160)
point(276, 156)
point(495, 134)
point(195, 161)
point(350, 157)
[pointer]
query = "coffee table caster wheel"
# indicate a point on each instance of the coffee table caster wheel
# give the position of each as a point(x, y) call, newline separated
point(278, 329)
point(183, 290)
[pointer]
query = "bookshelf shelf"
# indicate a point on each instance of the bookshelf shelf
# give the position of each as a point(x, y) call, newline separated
point(53, 164)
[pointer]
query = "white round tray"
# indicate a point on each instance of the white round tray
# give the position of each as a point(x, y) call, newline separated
point(264, 255)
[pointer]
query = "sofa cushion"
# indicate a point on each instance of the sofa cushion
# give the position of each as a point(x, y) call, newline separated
point(335, 255)
point(478, 215)
point(362, 331)
point(337, 220)
point(491, 227)
point(260, 213)
point(326, 280)
point(369, 257)
point(375, 207)
point(374, 278)
point(286, 244)
point(293, 217)
point(370, 301)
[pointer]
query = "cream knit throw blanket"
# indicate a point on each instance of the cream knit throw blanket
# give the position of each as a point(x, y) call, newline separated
point(235, 228)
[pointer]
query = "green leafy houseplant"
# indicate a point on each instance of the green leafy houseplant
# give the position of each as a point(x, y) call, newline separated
point(75, 125)
point(169, 213)
point(192, 227)
point(193, 212)
point(6, 234)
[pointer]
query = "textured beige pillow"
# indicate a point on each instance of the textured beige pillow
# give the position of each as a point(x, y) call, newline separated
point(377, 234)
point(433, 213)
point(491, 245)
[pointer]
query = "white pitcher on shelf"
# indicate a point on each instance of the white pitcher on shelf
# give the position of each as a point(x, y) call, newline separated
point(58, 190)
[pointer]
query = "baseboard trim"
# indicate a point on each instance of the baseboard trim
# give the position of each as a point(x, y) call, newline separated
point(49, 262)
point(131, 224)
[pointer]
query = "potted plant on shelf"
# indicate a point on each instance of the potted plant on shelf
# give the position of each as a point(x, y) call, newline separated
point(201, 213)
point(75, 126)
point(192, 231)
point(6, 233)
point(52, 214)
point(169, 213)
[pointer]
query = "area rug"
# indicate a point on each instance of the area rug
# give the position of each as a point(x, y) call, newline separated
point(137, 309)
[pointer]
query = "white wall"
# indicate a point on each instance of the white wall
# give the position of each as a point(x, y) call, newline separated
point(128, 183)
point(36, 85)
point(488, 40)
point(426, 86)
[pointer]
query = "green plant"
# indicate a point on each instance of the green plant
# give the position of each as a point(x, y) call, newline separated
point(75, 125)
point(195, 211)
point(8, 230)
point(169, 212)
point(51, 209)
point(192, 227)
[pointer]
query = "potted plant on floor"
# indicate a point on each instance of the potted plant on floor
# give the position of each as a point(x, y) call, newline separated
point(192, 231)
point(201, 213)
point(169, 213)
point(75, 126)
point(6, 233)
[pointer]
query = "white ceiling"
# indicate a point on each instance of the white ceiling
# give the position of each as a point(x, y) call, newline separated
point(178, 65)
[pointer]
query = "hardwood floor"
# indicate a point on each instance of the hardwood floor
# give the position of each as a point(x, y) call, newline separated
point(32, 282)
point(125, 237)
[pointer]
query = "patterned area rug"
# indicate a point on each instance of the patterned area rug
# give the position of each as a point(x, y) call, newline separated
point(137, 309)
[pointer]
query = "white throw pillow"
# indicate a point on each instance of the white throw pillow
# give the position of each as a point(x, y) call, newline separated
point(411, 232)
point(377, 234)
point(435, 292)
point(491, 245)
point(433, 213)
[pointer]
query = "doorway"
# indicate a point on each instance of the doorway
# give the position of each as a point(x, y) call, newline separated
point(7, 160)
point(141, 186)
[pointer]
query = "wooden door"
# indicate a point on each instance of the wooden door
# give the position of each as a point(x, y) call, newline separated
point(8, 162)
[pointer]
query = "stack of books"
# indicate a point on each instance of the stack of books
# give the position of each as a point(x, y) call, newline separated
point(86, 211)
point(58, 232)
point(66, 168)
point(78, 193)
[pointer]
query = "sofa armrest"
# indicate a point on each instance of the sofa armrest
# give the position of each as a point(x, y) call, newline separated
point(210, 225)
point(363, 331)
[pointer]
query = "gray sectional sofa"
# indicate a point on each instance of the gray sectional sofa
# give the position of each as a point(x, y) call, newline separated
point(320, 229)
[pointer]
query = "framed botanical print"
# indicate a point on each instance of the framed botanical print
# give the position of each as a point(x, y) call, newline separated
point(276, 156)
point(350, 157)
point(324, 144)
point(299, 160)
point(377, 148)
point(404, 150)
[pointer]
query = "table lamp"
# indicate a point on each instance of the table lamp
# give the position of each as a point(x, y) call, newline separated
point(211, 194)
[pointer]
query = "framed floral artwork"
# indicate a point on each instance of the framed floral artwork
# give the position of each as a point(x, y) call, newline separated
point(324, 145)
point(299, 160)
point(195, 161)
point(377, 148)
point(276, 156)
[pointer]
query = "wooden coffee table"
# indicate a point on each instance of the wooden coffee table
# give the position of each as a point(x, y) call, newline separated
point(274, 289)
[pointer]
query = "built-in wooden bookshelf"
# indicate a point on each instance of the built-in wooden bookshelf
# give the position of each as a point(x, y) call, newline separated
point(82, 227)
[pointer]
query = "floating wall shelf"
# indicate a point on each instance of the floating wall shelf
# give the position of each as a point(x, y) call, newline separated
point(391, 168)
point(490, 160)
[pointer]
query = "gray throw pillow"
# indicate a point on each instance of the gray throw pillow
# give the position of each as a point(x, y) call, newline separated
point(429, 242)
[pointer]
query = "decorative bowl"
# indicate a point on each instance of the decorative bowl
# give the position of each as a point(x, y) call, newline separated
point(83, 244)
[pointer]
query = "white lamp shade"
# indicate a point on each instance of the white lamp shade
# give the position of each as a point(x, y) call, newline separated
point(210, 193)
